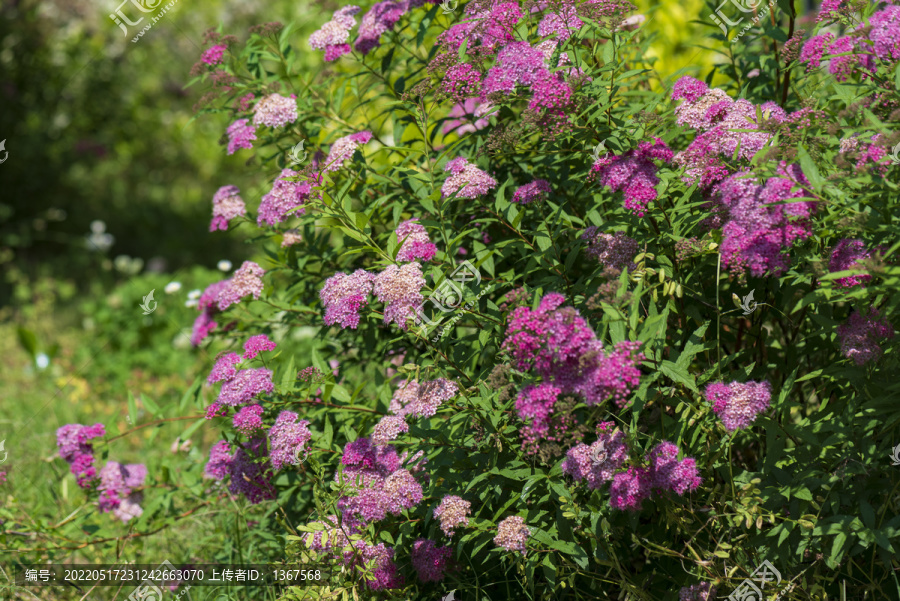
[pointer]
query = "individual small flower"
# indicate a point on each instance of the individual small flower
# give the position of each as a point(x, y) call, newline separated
point(248, 420)
point(847, 255)
point(343, 295)
point(536, 190)
point(738, 404)
point(213, 55)
point(240, 135)
point(429, 560)
point(512, 534)
point(452, 513)
point(333, 36)
point(697, 592)
point(399, 288)
point(227, 204)
point(224, 265)
point(180, 446)
point(466, 180)
point(247, 280)
point(388, 429)
point(245, 386)
point(861, 335)
point(224, 368)
point(629, 489)
point(275, 110)
point(343, 148)
point(257, 344)
point(286, 198)
point(614, 250)
point(415, 243)
point(288, 437)
point(172, 287)
point(219, 464)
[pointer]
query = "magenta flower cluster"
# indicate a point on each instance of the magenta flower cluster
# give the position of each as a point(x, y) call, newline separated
point(240, 135)
point(847, 255)
point(737, 404)
point(536, 190)
point(287, 197)
point(603, 461)
point(73, 441)
point(862, 335)
point(115, 488)
point(634, 173)
point(614, 250)
point(246, 281)
point(414, 242)
point(240, 386)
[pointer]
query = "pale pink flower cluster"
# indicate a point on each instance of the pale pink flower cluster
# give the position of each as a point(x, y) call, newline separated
point(343, 149)
point(466, 180)
point(422, 400)
point(275, 110)
point(415, 242)
point(344, 295)
point(227, 204)
point(452, 512)
point(246, 281)
point(333, 36)
point(738, 404)
point(399, 288)
point(512, 534)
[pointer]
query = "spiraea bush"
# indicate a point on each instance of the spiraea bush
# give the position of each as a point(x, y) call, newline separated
point(574, 328)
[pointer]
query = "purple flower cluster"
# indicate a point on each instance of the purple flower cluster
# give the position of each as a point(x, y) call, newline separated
point(208, 307)
point(227, 204)
point(380, 19)
point(275, 110)
point(240, 135)
point(219, 463)
point(614, 250)
point(452, 512)
point(737, 404)
point(214, 54)
point(344, 295)
point(343, 149)
point(602, 461)
point(415, 243)
point(286, 197)
point(334, 35)
point(559, 345)
point(512, 534)
point(634, 173)
point(489, 26)
point(466, 180)
point(762, 223)
point(421, 400)
point(399, 288)
point(246, 281)
point(861, 335)
point(286, 437)
point(536, 190)
point(116, 484)
point(698, 592)
point(248, 420)
point(250, 473)
point(76, 450)
point(429, 560)
point(847, 255)
point(239, 386)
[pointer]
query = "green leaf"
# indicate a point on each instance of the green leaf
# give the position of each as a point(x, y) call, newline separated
point(28, 341)
point(809, 168)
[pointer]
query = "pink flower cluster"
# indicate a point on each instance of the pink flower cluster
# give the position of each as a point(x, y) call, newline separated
point(275, 110)
point(343, 148)
point(248, 420)
point(512, 534)
point(520, 64)
point(536, 190)
point(602, 461)
point(240, 135)
point(344, 295)
point(208, 307)
point(422, 400)
point(73, 441)
point(847, 255)
point(559, 345)
point(861, 335)
point(213, 55)
point(399, 288)
point(634, 173)
point(286, 197)
point(488, 26)
point(762, 223)
point(614, 250)
point(239, 386)
point(227, 204)
point(286, 438)
point(116, 484)
point(737, 404)
point(414, 242)
point(246, 281)
point(466, 180)
point(429, 560)
point(334, 35)
point(452, 512)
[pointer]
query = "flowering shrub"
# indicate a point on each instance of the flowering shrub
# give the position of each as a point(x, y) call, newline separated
point(594, 418)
